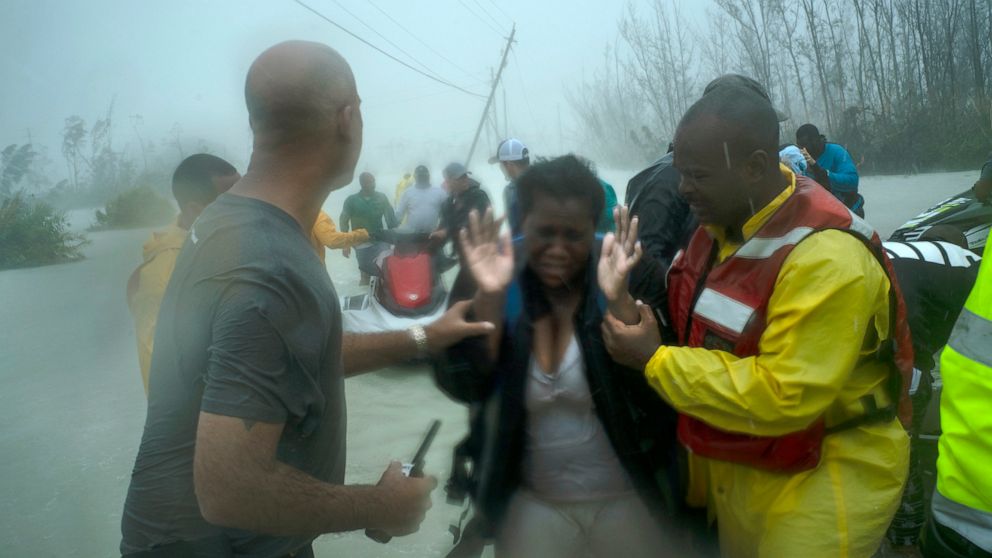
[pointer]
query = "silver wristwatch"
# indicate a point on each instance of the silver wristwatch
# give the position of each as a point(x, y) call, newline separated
point(420, 338)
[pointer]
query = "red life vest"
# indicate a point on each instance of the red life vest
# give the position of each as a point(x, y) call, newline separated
point(724, 307)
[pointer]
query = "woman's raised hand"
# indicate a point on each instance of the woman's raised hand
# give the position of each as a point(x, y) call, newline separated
point(488, 254)
point(620, 253)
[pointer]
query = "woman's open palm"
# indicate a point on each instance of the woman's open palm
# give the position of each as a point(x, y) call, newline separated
point(488, 255)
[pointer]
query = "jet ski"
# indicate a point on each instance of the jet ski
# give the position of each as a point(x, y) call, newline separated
point(405, 288)
point(962, 211)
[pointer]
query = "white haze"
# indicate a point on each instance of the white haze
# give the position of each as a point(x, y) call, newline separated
point(183, 63)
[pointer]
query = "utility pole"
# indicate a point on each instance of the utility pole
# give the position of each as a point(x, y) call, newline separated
point(489, 101)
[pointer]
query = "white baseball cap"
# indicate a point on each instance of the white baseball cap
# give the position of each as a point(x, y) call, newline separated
point(510, 149)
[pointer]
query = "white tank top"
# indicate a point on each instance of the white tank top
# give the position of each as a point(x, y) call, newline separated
point(568, 456)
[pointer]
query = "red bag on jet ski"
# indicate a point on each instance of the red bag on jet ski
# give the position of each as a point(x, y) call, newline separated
point(409, 279)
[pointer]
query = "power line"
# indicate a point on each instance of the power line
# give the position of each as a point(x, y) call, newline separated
point(480, 18)
point(483, 10)
point(375, 102)
point(523, 87)
point(419, 40)
point(383, 37)
point(384, 53)
point(501, 10)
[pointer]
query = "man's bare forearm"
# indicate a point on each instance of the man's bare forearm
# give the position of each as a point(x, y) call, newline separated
point(273, 498)
point(364, 352)
point(287, 502)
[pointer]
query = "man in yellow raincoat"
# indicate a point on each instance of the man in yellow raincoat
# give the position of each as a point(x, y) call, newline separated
point(196, 183)
point(781, 309)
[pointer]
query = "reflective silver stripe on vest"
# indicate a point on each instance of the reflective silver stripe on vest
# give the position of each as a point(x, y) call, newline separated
point(974, 525)
point(861, 226)
point(723, 310)
point(760, 248)
point(972, 337)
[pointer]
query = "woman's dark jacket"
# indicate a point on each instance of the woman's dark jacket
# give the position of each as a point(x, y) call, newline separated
point(639, 425)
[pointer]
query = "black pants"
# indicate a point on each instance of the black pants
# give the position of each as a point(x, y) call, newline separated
point(941, 542)
point(908, 522)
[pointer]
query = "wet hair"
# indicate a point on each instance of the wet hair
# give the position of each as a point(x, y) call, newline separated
point(193, 180)
point(562, 178)
point(748, 121)
point(807, 131)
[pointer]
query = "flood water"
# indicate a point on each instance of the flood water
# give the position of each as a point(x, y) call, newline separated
point(72, 406)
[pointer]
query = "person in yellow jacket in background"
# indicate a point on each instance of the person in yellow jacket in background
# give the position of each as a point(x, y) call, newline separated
point(784, 312)
point(961, 508)
point(196, 183)
point(401, 187)
point(326, 234)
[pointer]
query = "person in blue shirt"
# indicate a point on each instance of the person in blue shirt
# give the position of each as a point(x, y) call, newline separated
point(831, 166)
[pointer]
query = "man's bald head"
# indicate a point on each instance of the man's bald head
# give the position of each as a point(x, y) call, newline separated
point(737, 116)
point(295, 89)
point(726, 149)
point(366, 181)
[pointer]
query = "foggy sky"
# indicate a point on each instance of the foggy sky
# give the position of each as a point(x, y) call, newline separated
point(184, 62)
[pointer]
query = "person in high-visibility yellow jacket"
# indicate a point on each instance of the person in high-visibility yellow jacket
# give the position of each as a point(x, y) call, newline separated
point(823, 323)
point(196, 183)
point(326, 234)
point(961, 522)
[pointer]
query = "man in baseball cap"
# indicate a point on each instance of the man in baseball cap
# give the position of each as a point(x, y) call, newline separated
point(514, 159)
point(466, 195)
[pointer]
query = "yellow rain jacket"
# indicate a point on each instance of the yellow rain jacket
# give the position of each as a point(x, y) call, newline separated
point(829, 308)
point(401, 187)
point(146, 287)
point(325, 233)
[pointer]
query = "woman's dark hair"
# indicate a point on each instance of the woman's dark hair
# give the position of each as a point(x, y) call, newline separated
point(561, 178)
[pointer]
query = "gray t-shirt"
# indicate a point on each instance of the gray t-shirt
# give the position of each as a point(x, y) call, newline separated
point(422, 207)
point(249, 327)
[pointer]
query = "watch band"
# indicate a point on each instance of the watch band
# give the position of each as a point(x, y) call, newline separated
point(419, 337)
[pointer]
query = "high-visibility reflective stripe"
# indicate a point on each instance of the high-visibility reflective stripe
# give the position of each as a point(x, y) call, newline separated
point(861, 226)
point(723, 310)
point(760, 248)
point(974, 525)
point(972, 337)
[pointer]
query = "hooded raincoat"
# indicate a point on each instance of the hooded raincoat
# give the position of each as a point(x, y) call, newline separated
point(146, 287)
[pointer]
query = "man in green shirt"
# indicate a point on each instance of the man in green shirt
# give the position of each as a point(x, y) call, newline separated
point(368, 210)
